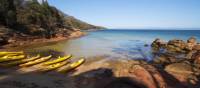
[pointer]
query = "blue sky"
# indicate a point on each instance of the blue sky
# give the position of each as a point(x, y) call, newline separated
point(134, 13)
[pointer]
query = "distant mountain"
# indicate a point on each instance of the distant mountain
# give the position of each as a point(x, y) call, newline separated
point(78, 24)
point(33, 18)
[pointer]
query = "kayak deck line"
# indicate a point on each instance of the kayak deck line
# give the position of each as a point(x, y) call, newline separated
point(59, 59)
point(14, 63)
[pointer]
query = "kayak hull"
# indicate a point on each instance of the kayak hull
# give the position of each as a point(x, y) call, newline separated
point(71, 66)
point(57, 60)
point(11, 58)
point(31, 63)
point(53, 66)
point(15, 63)
point(7, 53)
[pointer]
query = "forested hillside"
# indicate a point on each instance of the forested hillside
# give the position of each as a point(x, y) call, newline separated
point(22, 18)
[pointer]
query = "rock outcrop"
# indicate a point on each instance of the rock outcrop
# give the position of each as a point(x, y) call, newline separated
point(158, 44)
point(176, 45)
point(180, 59)
point(185, 73)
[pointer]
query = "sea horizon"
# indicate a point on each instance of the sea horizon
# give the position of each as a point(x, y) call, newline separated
point(152, 29)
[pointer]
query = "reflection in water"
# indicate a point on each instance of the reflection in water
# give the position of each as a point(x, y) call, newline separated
point(134, 49)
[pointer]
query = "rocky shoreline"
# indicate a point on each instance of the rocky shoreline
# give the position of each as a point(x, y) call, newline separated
point(30, 40)
point(176, 65)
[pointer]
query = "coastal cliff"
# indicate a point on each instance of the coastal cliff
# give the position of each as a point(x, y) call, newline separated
point(30, 20)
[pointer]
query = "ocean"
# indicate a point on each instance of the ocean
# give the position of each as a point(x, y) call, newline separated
point(120, 43)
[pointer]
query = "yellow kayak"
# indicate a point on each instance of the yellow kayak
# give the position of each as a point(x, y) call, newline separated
point(71, 66)
point(10, 55)
point(53, 66)
point(14, 63)
point(35, 61)
point(6, 53)
point(60, 59)
point(10, 58)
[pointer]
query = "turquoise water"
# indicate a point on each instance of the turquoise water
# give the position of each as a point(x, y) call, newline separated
point(123, 43)
point(127, 44)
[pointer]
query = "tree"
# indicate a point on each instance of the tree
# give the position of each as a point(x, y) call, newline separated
point(7, 12)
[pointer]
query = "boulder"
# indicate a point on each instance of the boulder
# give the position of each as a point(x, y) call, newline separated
point(3, 41)
point(183, 72)
point(161, 60)
point(165, 60)
point(181, 67)
point(189, 55)
point(192, 40)
point(196, 47)
point(177, 43)
point(178, 46)
point(157, 44)
point(146, 45)
point(11, 40)
point(196, 56)
point(157, 76)
point(189, 46)
point(141, 74)
point(196, 60)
